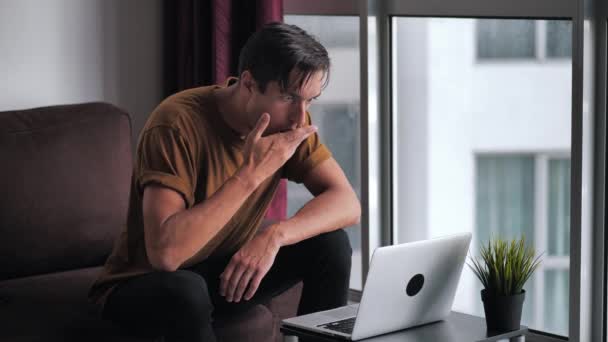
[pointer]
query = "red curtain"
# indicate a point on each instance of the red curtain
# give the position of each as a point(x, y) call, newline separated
point(202, 41)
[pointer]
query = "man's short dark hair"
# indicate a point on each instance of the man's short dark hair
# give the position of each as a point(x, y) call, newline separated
point(271, 53)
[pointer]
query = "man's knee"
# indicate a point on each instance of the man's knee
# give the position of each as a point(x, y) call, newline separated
point(336, 248)
point(186, 294)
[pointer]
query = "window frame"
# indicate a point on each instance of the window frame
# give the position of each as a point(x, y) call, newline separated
point(588, 306)
point(599, 16)
point(600, 284)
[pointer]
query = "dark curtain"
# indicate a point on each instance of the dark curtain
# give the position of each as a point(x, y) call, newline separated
point(202, 41)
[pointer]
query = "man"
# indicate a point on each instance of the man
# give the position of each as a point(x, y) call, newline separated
point(208, 163)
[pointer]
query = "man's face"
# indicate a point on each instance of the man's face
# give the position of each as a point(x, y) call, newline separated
point(287, 108)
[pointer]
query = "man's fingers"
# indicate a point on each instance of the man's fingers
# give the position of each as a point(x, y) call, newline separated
point(242, 286)
point(306, 130)
point(253, 286)
point(260, 126)
point(299, 134)
point(225, 278)
point(234, 281)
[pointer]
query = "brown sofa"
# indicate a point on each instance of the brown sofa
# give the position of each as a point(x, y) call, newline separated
point(64, 181)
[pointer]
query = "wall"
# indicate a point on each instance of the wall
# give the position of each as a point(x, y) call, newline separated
point(71, 51)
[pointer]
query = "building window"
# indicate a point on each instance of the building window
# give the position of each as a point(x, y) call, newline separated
point(498, 39)
point(530, 195)
point(506, 39)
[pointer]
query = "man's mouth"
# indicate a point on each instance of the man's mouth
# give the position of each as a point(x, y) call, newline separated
point(287, 129)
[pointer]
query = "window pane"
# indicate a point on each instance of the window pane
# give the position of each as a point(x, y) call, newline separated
point(470, 142)
point(498, 38)
point(336, 112)
point(559, 39)
point(505, 197)
point(557, 282)
point(559, 207)
point(505, 205)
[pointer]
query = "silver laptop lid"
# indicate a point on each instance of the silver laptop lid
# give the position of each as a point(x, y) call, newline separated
point(410, 284)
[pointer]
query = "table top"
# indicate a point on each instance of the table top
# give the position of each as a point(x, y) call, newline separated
point(458, 327)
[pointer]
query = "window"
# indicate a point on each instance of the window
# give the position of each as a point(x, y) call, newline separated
point(440, 91)
point(506, 39)
point(509, 39)
point(559, 39)
point(530, 195)
point(336, 112)
point(472, 150)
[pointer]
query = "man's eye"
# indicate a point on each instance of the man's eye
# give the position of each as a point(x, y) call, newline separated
point(287, 98)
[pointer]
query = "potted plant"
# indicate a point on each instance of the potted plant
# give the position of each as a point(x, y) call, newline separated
point(503, 269)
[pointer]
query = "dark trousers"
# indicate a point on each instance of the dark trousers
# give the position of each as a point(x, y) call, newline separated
point(180, 305)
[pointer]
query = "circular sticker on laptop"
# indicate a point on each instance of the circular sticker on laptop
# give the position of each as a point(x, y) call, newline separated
point(415, 285)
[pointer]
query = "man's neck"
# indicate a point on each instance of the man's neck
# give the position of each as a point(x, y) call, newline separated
point(232, 109)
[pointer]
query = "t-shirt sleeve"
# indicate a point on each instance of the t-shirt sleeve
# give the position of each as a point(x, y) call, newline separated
point(165, 157)
point(308, 155)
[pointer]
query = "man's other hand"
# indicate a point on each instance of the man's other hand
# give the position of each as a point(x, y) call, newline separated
point(248, 266)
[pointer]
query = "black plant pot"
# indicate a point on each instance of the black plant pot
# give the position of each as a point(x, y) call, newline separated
point(503, 313)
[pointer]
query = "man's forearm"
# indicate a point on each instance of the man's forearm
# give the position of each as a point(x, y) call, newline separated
point(188, 231)
point(330, 210)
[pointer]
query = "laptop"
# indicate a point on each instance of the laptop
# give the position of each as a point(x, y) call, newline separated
point(407, 285)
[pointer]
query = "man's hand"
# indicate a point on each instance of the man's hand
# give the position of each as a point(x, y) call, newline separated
point(248, 266)
point(263, 156)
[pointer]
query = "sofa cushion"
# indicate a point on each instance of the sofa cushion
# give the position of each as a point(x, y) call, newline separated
point(65, 179)
point(53, 307)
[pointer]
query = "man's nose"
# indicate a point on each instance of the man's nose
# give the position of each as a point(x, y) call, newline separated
point(299, 114)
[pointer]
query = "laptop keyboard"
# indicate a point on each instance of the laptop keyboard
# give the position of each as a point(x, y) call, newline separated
point(343, 326)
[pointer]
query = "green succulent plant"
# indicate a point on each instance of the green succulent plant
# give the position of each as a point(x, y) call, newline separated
point(505, 266)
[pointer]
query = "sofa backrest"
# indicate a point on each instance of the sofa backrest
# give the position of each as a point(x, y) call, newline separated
point(64, 185)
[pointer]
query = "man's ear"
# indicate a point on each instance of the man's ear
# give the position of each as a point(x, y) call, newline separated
point(247, 80)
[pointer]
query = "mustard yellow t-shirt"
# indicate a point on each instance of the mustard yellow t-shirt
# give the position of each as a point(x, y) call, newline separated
point(186, 145)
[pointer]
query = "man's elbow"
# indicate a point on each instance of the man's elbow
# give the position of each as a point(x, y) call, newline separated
point(356, 212)
point(162, 260)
